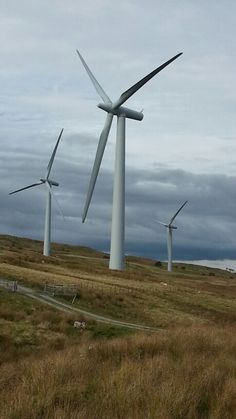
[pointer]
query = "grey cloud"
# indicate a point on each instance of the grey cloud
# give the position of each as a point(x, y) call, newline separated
point(206, 224)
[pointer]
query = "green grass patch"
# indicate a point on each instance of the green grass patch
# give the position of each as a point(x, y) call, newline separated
point(107, 331)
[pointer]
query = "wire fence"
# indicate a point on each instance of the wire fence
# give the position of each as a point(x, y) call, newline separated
point(111, 289)
point(72, 289)
point(61, 289)
point(9, 284)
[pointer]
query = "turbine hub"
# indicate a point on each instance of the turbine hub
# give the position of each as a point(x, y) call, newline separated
point(51, 182)
point(121, 111)
point(172, 227)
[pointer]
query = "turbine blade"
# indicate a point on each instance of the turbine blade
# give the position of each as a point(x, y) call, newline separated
point(55, 199)
point(97, 162)
point(133, 89)
point(172, 219)
point(26, 187)
point(97, 86)
point(160, 222)
point(49, 167)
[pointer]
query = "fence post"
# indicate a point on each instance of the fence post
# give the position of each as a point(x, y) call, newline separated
point(74, 299)
point(14, 286)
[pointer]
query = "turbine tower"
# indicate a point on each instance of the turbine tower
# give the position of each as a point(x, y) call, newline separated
point(170, 227)
point(48, 183)
point(115, 108)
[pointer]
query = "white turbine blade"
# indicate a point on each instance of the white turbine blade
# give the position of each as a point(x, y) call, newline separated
point(97, 86)
point(133, 89)
point(97, 162)
point(172, 219)
point(55, 199)
point(160, 222)
point(53, 155)
point(26, 187)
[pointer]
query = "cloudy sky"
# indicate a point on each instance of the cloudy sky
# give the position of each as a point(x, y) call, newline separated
point(184, 149)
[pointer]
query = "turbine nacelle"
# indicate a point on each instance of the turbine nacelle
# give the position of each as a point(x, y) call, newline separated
point(121, 111)
point(51, 182)
point(168, 225)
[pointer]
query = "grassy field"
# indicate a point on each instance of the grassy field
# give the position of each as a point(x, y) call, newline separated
point(49, 369)
point(144, 293)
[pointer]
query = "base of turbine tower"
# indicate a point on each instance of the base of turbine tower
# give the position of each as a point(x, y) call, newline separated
point(116, 265)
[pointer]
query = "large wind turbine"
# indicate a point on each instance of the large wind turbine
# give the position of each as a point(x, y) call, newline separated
point(170, 227)
point(48, 183)
point(115, 108)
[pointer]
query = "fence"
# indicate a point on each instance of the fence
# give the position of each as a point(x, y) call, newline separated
point(8, 284)
point(61, 289)
point(75, 289)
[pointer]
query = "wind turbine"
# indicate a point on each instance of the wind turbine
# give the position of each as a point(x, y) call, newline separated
point(48, 183)
point(170, 227)
point(118, 207)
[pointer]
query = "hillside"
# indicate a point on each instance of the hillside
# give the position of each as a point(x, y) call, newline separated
point(49, 369)
point(145, 293)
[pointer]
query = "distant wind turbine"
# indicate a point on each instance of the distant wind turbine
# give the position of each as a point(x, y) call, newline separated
point(48, 183)
point(115, 108)
point(170, 227)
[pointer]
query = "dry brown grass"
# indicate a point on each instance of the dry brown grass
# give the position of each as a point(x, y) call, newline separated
point(185, 373)
point(27, 327)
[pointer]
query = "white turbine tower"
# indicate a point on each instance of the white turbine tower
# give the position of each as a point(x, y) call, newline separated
point(170, 227)
point(48, 183)
point(115, 108)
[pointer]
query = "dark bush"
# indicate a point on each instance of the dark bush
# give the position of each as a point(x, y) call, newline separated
point(158, 263)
